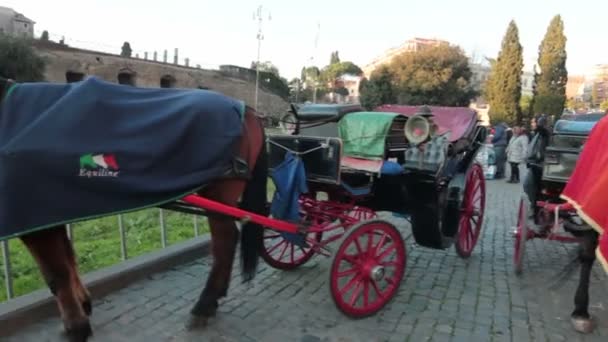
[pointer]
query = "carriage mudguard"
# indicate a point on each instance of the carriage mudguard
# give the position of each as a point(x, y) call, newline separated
point(87, 149)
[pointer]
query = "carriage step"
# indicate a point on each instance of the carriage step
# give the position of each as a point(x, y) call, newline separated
point(358, 191)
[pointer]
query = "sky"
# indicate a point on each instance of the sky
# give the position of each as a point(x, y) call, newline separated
point(217, 32)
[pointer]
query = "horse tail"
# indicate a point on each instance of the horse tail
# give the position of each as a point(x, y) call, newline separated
point(255, 201)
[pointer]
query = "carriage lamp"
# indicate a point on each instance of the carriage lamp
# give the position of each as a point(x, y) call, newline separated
point(420, 126)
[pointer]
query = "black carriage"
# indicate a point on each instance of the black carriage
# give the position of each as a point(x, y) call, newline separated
point(416, 162)
point(554, 155)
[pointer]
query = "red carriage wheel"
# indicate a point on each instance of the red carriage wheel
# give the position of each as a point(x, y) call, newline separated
point(471, 212)
point(521, 234)
point(357, 214)
point(368, 268)
point(283, 254)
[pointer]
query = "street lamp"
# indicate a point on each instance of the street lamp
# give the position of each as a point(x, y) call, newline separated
point(258, 15)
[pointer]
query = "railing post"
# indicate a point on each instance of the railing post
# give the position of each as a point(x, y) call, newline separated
point(123, 240)
point(163, 231)
point(195, 225)
point(8, 280)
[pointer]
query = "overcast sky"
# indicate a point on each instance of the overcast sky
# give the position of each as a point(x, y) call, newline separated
point(224, 31)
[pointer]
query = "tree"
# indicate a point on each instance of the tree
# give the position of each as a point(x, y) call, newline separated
point(604, 105)
point(126, 50)
point(594, 95)
point(266, 67)
point(550, 92)
point(335, 58)
point(503, 89)
point(19, 61)
point(45, 35)
point(378, 90)
point(438, 75)
point(524, 104)
point(333, 71)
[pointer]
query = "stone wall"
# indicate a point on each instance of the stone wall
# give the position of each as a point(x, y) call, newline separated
point(63, 60)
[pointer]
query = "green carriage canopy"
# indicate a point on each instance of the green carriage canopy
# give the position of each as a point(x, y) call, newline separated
point(364, 134)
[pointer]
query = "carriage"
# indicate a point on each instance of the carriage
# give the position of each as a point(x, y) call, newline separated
point(416, 162)
point(73, 152)
point(551, 217)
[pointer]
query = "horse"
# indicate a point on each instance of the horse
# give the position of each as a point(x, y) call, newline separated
point(55, 256)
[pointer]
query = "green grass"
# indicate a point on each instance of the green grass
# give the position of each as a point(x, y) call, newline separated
point(97, 244)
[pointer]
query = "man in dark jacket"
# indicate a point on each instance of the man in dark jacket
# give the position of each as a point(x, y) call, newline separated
point(534, 160)
point(500, 146)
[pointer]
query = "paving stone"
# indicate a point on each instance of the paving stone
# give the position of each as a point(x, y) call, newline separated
point(442, 297)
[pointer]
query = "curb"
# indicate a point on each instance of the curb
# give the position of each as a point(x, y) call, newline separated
point(38, 305)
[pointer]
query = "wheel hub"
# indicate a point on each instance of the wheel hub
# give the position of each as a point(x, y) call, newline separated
point(377, 273)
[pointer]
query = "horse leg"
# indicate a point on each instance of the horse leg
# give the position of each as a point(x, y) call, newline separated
point(224, 237)
point(224, 234)
point(81, 291)
point(49, 248)
point(581, 319)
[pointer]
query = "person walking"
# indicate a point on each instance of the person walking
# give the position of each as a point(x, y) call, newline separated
point(516, 152)
point(500, 145)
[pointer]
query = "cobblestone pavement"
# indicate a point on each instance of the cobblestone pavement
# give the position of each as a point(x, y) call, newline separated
point(442, 298)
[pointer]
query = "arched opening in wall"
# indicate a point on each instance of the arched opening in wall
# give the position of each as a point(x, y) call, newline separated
point(126, 77)
point(167, 81)
point(73, 76)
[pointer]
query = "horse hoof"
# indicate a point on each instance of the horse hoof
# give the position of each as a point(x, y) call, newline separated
point(79, 332)
point(195, 322)
point(582, 325)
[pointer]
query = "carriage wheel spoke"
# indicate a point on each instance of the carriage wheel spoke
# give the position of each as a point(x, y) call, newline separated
point(375, 286)
point(359, 249)
point(370, 251)
point(356, 292)
point(348, 272)
point(386, 252)
point(276, 246)
point(283, 251)
point(350, 284)
point(380, 243)
point(273, 236)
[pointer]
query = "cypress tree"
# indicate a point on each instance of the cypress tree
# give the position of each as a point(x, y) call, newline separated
point(504, 84)
point(550, 93)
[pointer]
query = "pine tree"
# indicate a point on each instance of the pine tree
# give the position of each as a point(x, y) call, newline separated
point(550, 93)
point(504, 86)
point(335, 58)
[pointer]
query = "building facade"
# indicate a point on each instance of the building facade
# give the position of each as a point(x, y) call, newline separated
point(15, 24)
point(415, 44)
point(67, 64)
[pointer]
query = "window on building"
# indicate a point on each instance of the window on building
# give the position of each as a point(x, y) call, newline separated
point(167, 81)
point(73, 76)
point(126, 77)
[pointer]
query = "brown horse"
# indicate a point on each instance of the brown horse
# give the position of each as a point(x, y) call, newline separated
point(54, 253)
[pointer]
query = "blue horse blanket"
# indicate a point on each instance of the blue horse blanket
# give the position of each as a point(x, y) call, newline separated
point(71, 152)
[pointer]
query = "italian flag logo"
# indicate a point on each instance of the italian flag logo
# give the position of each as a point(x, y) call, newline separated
point(98, 165)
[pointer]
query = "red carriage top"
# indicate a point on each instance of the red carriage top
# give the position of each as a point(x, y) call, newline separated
point(459, 120)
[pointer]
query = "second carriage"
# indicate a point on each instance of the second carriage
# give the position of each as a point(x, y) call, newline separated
point(340, 165)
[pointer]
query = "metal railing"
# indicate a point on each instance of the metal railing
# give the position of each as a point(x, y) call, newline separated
point(6, 258)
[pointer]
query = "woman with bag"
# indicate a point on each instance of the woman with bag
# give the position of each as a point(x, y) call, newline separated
point(516, 152)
